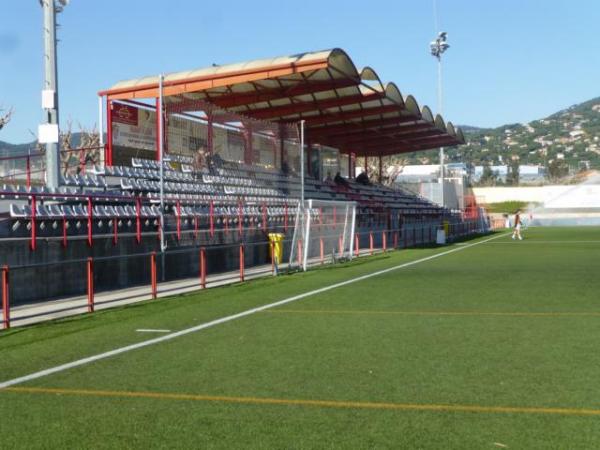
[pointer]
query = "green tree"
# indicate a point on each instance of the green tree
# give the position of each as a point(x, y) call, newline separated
point(488, 177)
point(557, 169)
point(512, 174)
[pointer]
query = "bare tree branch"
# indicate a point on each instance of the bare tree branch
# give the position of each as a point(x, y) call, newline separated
point(5, 116)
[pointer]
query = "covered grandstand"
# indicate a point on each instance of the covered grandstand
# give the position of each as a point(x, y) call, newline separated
point(232, 174)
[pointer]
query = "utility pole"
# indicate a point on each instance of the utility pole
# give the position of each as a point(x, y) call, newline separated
point(50, 92)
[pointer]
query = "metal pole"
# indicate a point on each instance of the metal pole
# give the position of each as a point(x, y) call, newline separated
point(302, 163)
point(442, 157)
point(101, 129)
point(163, 245)
point(51, 84)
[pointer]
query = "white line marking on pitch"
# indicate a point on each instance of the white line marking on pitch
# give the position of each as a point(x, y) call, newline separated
point(515, 242)
point(150, 330)
point(168, 337)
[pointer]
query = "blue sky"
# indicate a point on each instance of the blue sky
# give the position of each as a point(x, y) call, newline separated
point(509, 61)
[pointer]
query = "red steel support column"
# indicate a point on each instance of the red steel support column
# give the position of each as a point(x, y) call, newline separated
point(115, 222)
point(299, 252)
point(138, 220)
point(90, 222)
point(384, 240)
point(28, 171)
point(64, 232)
point(242, 262)
point(178, 220)
point(5, 298)
point(90, 285)
point(240, 219)
point(340, 245)
point(371, 242)
point(109, 140)
point(33, 242)
point(203, 268)
point(211, 217)
point(153, 286)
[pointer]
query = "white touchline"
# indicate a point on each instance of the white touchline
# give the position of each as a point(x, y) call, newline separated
point(168, 337)
point(150, 330)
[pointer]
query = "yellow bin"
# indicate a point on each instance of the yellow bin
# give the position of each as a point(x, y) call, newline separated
point(446, 228)
point(276, 240)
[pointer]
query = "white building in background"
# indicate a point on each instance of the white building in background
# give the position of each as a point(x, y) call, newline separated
point(527, 173)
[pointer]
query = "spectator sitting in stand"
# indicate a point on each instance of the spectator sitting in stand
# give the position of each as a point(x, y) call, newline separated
point(328, 179)
point(363, 178)
point(339, 179)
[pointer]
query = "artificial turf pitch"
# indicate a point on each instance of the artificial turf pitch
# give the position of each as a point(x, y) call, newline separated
point(492, 346)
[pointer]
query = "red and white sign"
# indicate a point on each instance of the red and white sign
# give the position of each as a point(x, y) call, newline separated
point(125, 114)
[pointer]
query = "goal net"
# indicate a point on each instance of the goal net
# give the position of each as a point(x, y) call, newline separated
point(323, 232)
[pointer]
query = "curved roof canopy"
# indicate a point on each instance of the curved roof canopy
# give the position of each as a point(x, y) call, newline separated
point(343, 107)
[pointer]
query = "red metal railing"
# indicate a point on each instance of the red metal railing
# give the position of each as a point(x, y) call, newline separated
point(456, 230)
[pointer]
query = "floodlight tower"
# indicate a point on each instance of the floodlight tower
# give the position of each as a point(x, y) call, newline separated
point(49, 130)
point(437, 48)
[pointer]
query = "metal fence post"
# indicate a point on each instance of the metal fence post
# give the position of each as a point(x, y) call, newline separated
point(5, 298)
point(90, 285)
point(33, 223)
point(203, 268)
point(242, 262)
point(153, 275)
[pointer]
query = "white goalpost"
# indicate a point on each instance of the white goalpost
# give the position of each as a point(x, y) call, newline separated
point(323, 231)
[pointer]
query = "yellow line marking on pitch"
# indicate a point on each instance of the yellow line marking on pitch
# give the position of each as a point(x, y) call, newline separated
point(317, 403)
point(434, 313)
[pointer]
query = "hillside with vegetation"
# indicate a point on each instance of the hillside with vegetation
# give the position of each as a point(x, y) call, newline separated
point(566, 140)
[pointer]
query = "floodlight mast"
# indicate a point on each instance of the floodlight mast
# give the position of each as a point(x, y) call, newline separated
point(437, 48)
point(50, 8)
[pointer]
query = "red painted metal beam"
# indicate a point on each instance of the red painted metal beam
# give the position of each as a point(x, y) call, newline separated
point(385, 139)
point(314, 105)
point(233, 100)
point(349, 115)
point(374, 125)
point(350, 130)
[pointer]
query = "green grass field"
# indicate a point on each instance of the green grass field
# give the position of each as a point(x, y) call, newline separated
point(494, 345)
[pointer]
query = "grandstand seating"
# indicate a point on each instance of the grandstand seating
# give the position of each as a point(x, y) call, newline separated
point(229, 192)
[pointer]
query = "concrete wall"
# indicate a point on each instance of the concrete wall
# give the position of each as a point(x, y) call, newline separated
point(578, 195)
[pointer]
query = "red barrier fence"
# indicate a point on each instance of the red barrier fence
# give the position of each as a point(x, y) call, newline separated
point(426, 233)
